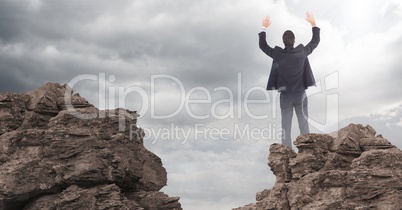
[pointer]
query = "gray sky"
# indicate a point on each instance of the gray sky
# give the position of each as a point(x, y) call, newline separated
point(208, 51)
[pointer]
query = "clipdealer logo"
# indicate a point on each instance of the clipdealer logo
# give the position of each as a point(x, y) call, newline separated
point(185, 101)
point(232, 103)
point(200, 132)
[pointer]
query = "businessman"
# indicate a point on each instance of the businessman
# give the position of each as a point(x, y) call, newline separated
point(291, 75)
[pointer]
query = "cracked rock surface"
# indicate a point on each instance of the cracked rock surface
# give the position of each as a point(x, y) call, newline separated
point(67, 154)
point(348, 169)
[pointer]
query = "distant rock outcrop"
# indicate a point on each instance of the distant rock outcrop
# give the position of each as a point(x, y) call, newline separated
point(349, 169)
point(52, 157)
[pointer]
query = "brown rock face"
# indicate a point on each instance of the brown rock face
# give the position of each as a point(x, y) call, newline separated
point(60, 155)
point(349, 169)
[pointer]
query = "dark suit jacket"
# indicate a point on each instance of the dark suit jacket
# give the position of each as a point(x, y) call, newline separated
point(291, 70)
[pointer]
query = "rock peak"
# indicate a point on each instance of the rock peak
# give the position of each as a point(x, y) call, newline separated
point(53, 158)
point(348, 169)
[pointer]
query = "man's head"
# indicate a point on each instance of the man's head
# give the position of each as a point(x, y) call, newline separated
point(288, 38)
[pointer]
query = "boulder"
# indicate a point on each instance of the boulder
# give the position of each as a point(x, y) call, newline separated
point(348, 169)
point(60, 152)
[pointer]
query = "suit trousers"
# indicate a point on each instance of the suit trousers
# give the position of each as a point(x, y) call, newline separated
point(297, 101)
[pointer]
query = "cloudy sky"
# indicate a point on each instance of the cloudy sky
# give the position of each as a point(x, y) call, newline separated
point(195, 72)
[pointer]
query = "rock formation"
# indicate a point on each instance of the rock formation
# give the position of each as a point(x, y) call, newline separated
point(60, 155)
point(349, 169)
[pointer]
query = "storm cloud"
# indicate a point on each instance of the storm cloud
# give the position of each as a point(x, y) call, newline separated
point(182, 50)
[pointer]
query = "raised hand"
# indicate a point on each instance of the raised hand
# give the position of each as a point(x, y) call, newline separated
point(266, 22)
point(310, 18)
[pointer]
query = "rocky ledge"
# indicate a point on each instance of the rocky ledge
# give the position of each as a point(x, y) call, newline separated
point(60, 155)
point(349, 169)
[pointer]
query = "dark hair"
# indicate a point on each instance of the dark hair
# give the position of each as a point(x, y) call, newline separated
point(288, 38)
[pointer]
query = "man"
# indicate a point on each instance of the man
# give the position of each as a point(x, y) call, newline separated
point(291, 75)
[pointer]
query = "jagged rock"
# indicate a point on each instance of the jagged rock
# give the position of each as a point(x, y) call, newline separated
point(278, 160)
point(349, 169)
point(12, 111)
point(155, 200)
point(251, 206)
point(262, 195)
point(348, 139)
point(313, 152)
point(74, 197)
point(277, 198)
point(60, 155)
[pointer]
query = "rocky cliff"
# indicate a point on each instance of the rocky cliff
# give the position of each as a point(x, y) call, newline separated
point(349, 169)
point(60, 155)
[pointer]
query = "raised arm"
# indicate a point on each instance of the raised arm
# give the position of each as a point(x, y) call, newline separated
point(310, 18)
point(316, 34)
point(263, 42)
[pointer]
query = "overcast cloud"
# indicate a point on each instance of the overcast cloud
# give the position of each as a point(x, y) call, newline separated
point(208, 50)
